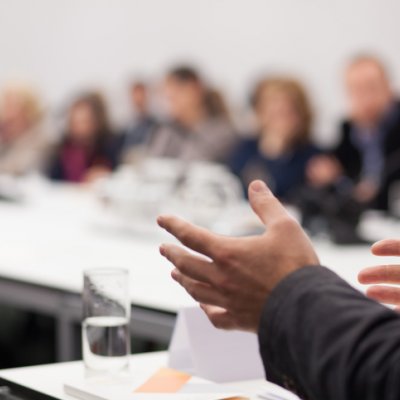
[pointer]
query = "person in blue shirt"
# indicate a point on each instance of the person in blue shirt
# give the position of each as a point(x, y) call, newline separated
point(281, 148)
point(365, 162)
point(363, 170)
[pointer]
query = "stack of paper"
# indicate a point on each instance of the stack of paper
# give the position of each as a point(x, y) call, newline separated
point(165, 384)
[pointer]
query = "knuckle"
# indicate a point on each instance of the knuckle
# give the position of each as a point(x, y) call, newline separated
point(182, 262)
point(225, 254)
point(177, 277)
point(194, 291)
point(225, 285)
point(184, 236)
point(179, 263)
point(233, 302)
point(287, 224)
point(385, 272)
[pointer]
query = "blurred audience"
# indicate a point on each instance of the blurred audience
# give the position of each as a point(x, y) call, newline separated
point(199, 128)
point(23, 142)
point(280, 149)
point(139, 131)
point(87, 150)
point(359, 172)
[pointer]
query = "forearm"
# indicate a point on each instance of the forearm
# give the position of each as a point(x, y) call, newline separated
point(324, 340)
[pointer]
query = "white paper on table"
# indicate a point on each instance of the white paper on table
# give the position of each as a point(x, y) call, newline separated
point(271, 391)
point(200, 349)
point(123, 388)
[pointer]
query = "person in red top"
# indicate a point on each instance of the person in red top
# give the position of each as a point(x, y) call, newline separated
point(86, 151)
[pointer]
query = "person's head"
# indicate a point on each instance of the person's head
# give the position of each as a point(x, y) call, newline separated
point(184, 92)
point(215, 104)
point(368, 89)
point(20, 109)
point(139, 97)
point(88, 120)
point(282, 107)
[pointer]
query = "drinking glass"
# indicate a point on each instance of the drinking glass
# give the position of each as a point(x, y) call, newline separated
point(106, 317)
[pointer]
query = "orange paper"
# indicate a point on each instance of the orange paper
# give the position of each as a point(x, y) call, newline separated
point(165, 380)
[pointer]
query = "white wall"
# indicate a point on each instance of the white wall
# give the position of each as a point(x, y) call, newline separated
point(64, 45)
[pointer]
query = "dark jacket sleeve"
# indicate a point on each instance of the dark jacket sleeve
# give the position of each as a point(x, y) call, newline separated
point(324, 340)
point(54, 170)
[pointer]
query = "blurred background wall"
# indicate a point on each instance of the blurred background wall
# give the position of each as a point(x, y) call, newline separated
point(233, 41)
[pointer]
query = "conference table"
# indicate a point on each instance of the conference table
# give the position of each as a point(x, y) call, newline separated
point(50, 380)
point(56, 231)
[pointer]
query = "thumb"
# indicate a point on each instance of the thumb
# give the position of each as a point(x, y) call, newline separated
point(264, 203)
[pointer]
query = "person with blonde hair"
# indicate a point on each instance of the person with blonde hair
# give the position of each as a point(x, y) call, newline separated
point(279, 151)
point(23, 144)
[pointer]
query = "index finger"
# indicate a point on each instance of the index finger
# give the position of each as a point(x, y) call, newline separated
point(268, 208)
point(380, 274)
point(194, 237)
point(387, 247)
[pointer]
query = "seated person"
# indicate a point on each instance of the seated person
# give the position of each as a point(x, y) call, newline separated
point(199, 129)
point(281, 148)
point(23, 143)
point(143, 124)
point(365, 163)
point(86, 151)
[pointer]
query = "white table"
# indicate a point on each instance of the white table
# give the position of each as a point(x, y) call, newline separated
point(49, 379)
point(47, 242)
point(58, 232)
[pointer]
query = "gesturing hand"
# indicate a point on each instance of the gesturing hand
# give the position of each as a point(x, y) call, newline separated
point(232, 277)
point(379, 274)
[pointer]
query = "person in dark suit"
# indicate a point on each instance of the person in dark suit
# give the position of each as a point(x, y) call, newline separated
point(280, 150)
point(138, 133)
point(318, 336)
point(361, 171)
point(366, 161)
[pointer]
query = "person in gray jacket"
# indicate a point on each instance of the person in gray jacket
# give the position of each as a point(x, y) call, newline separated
point(199, 127)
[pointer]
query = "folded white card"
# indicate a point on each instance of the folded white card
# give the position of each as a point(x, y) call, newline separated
point(200, 349)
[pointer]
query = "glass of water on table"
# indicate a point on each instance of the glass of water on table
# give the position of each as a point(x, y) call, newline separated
point(106, 317)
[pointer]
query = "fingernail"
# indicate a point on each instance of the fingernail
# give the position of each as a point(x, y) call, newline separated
point(162, 250)
point(174, 274)
point(160, 220)
point(259, 187)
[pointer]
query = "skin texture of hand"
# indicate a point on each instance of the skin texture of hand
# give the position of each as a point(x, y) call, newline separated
point(231, 277)
point(379, 275)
